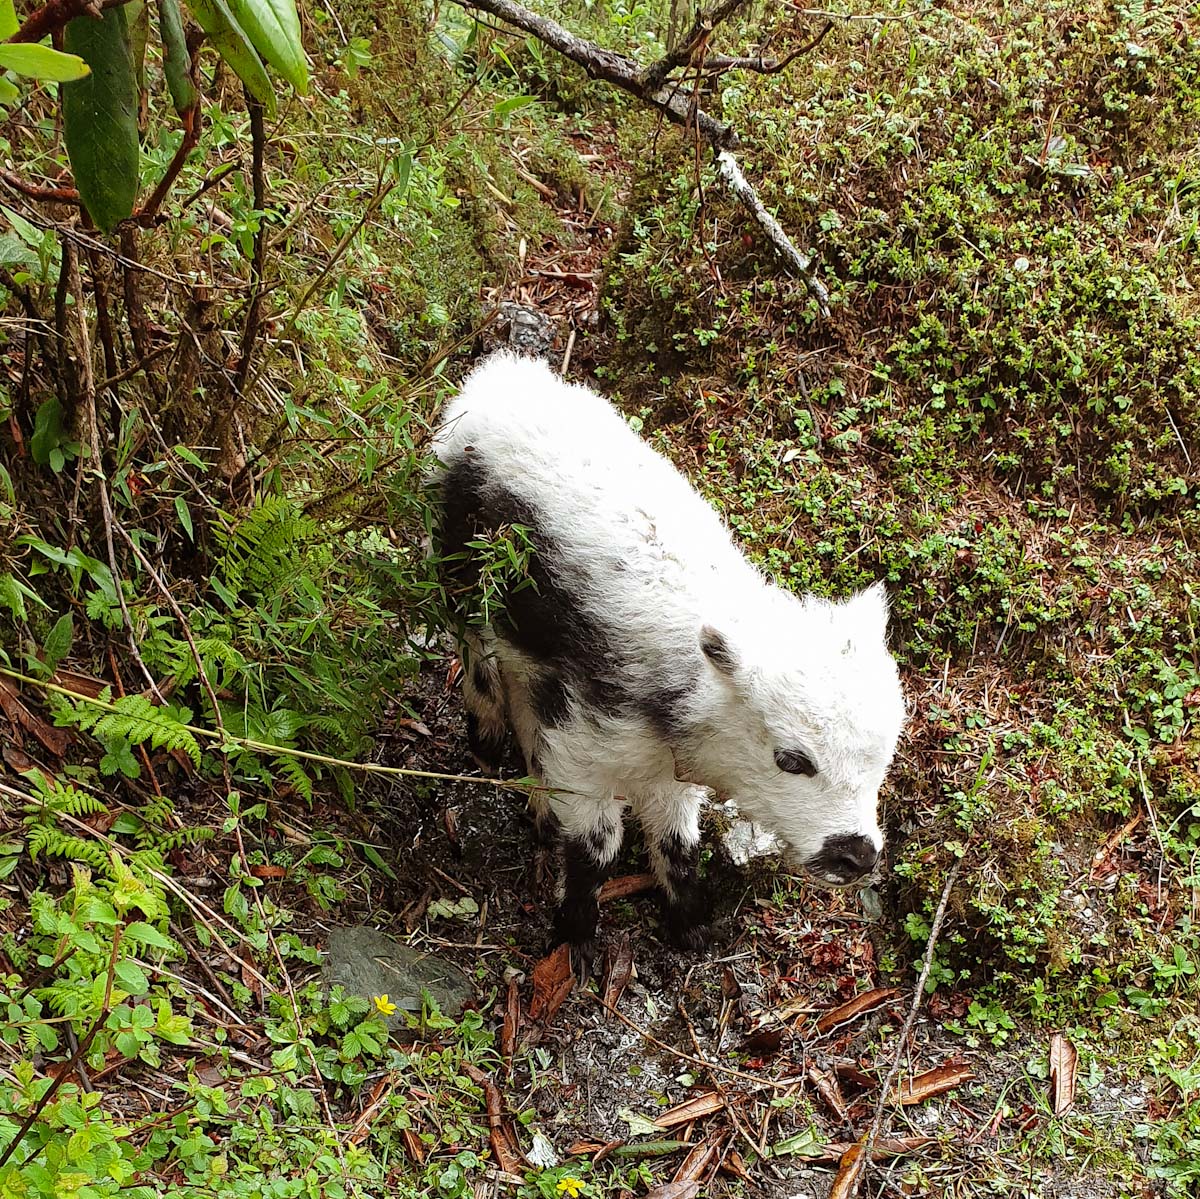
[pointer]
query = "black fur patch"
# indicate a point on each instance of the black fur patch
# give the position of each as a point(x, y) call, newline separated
point(551, 700)
point(575, 920)
point(849, 856)
point(716, 650)
point(543, 619)
point(482, 682)
point(666, 708)
point(489, 750)
point(687, 913)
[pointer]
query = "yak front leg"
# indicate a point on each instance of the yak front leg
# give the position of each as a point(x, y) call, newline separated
point(670, 817)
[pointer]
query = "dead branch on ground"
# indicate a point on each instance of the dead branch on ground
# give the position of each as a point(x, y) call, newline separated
point(681, 108)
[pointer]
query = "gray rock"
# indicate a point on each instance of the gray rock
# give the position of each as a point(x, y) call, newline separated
point(367, 963)
point(521, 328)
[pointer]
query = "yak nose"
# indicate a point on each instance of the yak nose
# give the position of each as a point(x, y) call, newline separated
point(845, 858)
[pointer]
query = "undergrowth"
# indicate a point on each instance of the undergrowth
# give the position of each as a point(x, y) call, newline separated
point(1000, 420)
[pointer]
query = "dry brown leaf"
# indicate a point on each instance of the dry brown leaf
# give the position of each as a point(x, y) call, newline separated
point(1064, 1059)
point(413, 1146)
point(269, 871)
point(849, 1072)
point(798, 1005)
point(735, 1164)
point(618, 970)
point(507, 1156)
point(80, 684)
point(868, 1001)
point(763, 1041)
point(512, 1024)
point(882, 1150)
point(852, 1163)
point(674, 1190)
point(552, 983)
point(376, 1099)
point(20, 717)
point(693, 1109)
point(695, 1165)
point(827, 1087)
point(625, 886)
point(933, 1082)
point(585, 1148)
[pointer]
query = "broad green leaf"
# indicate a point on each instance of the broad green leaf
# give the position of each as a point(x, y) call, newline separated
point(129, 974)
point(8, 20)
point(100, 118)
point(58, 641)
point(274, 29)
point(42, 62)
point(48, 430)
point(9, 92)
point(231, 42)
point(177, 63)
point(146, 934)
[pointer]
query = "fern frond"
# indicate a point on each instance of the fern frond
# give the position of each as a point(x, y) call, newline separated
point(136, 720)
point(54, 843)
point(296, 776)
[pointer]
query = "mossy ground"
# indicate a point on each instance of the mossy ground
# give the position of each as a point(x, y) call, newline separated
point(1001, 419)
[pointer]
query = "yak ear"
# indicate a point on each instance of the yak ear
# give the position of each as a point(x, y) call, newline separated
point(717, 649)
point(869, 612)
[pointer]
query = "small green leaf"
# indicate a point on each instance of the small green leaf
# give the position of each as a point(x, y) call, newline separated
point(274, 30)
point(177, 63)
point(137, 17)
point(185, 517)
point(8, 20)
point(231, 42)
point(9, 92)
point(58, 641)
point(146, 934)
point(129, 974)
point(100, 118)
point(42, 63)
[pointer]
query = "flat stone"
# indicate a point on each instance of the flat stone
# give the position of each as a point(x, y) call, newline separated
point(366, 962)
point(745, 841)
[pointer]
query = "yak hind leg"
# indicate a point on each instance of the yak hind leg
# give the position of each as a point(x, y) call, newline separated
point(483, 697)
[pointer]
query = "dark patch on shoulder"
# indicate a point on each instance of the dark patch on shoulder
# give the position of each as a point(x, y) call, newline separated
point(666, 708)
point(483, 683)
point(543, 619)
point(551, 700)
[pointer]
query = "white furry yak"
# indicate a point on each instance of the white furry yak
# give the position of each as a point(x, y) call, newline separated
point(651, 660)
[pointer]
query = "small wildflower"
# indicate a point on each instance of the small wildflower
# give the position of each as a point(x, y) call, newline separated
point(571, 1187)
point(384, 1004)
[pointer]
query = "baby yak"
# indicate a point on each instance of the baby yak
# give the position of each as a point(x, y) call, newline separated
point(646, 661)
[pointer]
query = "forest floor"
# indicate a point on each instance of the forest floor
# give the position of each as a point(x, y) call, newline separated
point(998, 419)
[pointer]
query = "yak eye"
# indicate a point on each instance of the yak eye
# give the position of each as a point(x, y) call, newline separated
point(795, 761)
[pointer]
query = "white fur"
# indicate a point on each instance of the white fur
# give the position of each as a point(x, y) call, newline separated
point(652, 561)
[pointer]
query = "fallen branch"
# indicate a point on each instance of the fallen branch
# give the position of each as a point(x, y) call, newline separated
point(800, 264)
point(676, 105)
point(855, 1160)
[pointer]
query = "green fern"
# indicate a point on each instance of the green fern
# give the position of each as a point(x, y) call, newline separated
point(136, 720)
point(296, 776)
point(53, 796)
point(268, 549)
point(50, 840)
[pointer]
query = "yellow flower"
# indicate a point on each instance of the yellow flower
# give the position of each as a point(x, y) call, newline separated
point(571, 1187)
point(384, 1004)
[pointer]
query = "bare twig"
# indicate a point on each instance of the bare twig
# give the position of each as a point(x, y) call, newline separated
point(716, 64)
point(682, 54)
point(59, 195)
point(83, 351)
point(680, 107)
point(864, 1146)
point(148, 213)
point(800, 264)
